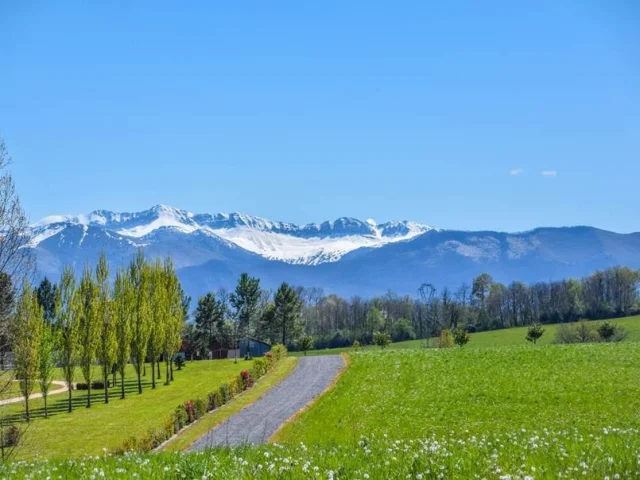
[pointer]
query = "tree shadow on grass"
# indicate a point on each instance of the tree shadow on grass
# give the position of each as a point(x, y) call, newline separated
point(59, 403)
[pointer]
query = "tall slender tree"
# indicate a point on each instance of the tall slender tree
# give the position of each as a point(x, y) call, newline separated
point(26, 335)
point(107, 347)
point(123, 298)
point(287, 309)
point(47, 298)
point(175, 317)
point(159, 314)
point(89, 327)
point(68, 328)
point(245, 300)
point(139, 276)
point(47, 357)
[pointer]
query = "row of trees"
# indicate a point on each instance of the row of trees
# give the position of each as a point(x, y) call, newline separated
point(288, 314)
point(137, 317)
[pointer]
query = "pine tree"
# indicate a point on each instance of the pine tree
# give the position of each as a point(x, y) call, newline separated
point(68, 328)
point(47, 299)
point(140, 281)
point(107, 347)
point(245, 301)
point(209, 318)
point(123, 310)
point(287, 309)
point(26, 335)
point(89, 327)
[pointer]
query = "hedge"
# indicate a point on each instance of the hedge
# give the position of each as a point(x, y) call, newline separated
point(191, 410)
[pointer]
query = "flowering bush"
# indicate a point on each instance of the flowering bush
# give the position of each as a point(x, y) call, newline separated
point(247, 379)
point(191, 411)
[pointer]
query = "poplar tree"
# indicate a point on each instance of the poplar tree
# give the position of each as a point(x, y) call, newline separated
point(89, 331)
point(26, 335)
point(47, 357)
point(139, 276)
point(107, 348)
point(123, 310)
point(175, 317)
point(68, 328)
point(159, 313)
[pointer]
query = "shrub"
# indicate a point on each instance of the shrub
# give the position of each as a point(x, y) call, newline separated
point(180, 417)
point(446, 339)
point(461, 337)
point(11, 436)
point(82, 386)
point(247, 379)
point(305, 343)
point(179, 361)
point(225, 395)
point(565, 334)
point(534, 332)
point(130, 444)
point(356, 345)
point(585, 333)
point(382, 339)
point(260, 367)
point(97, 385)
point(199, 407)
point(191, 411)
point(402, 330)
point(213, 400)
point(279, 352)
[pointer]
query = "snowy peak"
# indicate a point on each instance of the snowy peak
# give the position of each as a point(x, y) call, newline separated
point(310, 244)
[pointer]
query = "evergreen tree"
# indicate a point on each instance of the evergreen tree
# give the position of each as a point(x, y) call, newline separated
point(245, 300)
point(209, 318)
point(68, 327)
point(26, 335)
point(140, 281)
point(89, 327)
point(47, 299)
point(107, 347)
point(123, 310)
point(287, 308)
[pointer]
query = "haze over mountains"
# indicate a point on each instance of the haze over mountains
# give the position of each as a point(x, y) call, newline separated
point(346, 256)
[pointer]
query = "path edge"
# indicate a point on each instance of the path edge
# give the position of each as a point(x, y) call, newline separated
point(332, 384)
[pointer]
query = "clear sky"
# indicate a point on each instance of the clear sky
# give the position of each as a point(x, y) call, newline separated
point(446, 113)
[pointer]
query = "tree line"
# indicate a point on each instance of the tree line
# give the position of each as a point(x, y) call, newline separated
point(290, 314)
point(137, 317)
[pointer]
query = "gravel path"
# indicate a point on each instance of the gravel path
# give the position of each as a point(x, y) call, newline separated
point(256, 423)
point(62, 385)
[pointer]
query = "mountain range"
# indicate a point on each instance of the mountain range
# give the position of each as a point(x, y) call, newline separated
point(346, 256)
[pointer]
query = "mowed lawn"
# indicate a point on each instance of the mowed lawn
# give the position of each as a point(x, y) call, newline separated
point(495, 338)
point(90, 430)
point(415, 393)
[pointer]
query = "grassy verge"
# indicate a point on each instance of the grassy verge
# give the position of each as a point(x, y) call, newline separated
point(186, 437)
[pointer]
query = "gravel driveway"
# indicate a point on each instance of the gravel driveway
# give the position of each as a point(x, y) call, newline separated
point(256, 423)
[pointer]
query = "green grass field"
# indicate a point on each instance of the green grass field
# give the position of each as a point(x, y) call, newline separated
point(493, 338)
point(89, 430)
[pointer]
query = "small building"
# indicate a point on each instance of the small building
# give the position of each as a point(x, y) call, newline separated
point(256, 347)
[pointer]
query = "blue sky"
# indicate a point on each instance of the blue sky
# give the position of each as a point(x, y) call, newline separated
point(445, 113)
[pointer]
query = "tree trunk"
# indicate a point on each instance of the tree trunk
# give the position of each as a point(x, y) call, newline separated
point(122, 384)
point(46, 411)
point(26, 408)
point(139, 382)
point(153, 373)
point(89, 394)
point(70, 402)
point(166, 369)
point(159, 373)
point(171, 368)
point(106, 385)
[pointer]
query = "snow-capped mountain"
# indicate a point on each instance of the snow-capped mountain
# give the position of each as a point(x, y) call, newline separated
point(345, 256)
point(310, 244)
